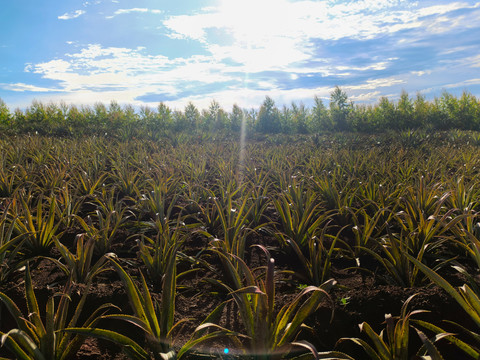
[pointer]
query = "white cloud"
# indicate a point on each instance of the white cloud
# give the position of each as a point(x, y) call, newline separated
point(422, 72)
point(465, 83)
point(366, 97)
point(253, 21)
point(376, 83)
point(473, 61)
point(441, 9)
point(279, 36)
point(101, 74)
point(376, 66)
point(127, 73)
point(95, 2)
point(134, 10)
point(462, 62)
point(273, 34)
point(126, 11)
point(21, 87)
point(251, 98)
point(71, 15)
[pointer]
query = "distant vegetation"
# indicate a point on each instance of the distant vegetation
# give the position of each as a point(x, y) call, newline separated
point(443, 113)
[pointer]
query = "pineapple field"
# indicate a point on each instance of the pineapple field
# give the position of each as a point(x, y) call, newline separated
point(328, 246)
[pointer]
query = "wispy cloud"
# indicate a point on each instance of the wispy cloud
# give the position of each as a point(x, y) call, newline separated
point(102, 72)
point(377, 83)
point(71, 15)
point(262, 39)
point(21, 87)
point(134, 10)
point(239, 52)
point(96, 73)
point(473, 61)
point(251, 22)
point(465, 83)
point(94, 2)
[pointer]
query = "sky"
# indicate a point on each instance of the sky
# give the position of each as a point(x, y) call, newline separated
point(143, 52)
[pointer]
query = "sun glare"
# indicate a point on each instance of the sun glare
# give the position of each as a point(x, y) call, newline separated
point(252, 21)
point(264, 33)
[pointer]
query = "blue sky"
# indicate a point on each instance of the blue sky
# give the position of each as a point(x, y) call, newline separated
point(143, 52)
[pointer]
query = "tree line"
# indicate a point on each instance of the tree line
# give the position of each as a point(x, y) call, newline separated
point(443, 113)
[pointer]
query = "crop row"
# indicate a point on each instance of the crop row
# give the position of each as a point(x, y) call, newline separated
point(401, 211)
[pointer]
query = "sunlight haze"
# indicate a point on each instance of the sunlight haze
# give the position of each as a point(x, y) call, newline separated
point(145, 52)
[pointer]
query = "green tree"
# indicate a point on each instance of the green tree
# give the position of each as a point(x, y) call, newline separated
point(75, 121)
point(405, 109)
point(213, 119)
point(207, 118)
point(250, 117)
point(468, 112)
point(221, 120)
point(179, 121)
point(421, 111)
point(131, 121)
point(385, 114)
point(19, 119)
point(89, 116)
point(268, 120)
point(165, 118)
point(130, 114)
point(5, 116)
point(446, 112)
point(363, 119)
point(218, 115)
point(192, 117)
point(116, 118)
point(36, 118)
point(214, 115)
point(320, 121)
point(299, 118)
point(236, 118)
point(147, 118)
point(99, 122)
point(56, 118)
point(286, 123)
point(340, 109)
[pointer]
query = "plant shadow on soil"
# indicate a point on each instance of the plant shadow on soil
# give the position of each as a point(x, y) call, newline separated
point(358, 298)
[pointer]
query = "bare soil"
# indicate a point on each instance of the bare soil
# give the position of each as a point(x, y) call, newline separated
point(358, 297)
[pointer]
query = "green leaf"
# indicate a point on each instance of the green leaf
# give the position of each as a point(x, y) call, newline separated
point(133, 293)
point(167, 308)
point(378, 342)
point(130, 346)
point(429, 346)
point(468, 349)
point(439, 281)
point(9, 342)
point(372, 354)
point(307, 308)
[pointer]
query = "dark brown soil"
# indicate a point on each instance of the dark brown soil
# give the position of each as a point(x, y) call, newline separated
point(357, 298)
